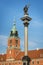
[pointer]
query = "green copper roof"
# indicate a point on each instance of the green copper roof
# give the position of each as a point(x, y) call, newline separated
point(14, 32)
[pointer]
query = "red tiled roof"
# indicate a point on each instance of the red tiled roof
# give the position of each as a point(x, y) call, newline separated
point(2, 57)
point(32, 54)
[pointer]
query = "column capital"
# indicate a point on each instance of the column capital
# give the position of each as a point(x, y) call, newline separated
point(26, 24)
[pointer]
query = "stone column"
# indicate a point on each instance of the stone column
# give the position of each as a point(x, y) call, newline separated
point(26, 20)
point(26, 38)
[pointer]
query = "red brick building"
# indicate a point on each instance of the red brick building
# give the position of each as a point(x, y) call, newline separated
point(14, 54)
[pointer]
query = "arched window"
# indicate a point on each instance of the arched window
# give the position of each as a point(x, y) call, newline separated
point(16, 41)
point(10, 41)
point(32, 62)
point(37, 62)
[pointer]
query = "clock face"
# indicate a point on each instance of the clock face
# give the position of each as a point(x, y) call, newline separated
point(10, 52)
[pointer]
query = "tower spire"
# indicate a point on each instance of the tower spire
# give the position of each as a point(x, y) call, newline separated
point(14, 23)
point(14, 27)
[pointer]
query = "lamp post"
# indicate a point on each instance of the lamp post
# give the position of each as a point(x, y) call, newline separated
point(26, 20)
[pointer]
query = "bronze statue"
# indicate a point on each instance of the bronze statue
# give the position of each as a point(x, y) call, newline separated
point(26, 9)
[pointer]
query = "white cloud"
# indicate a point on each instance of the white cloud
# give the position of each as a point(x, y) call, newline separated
point(36, 23)
point(31, 45)
point(3, 43)
point(3, 40)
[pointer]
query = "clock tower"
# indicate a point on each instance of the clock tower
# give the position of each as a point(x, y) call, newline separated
point(13, 44)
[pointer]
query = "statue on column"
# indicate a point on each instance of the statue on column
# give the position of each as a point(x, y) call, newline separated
point(26, 9)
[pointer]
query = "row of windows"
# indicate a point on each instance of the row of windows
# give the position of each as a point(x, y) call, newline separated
point(34, 63)
point(10, 63)
point(20, 63)
point(15, 41)
point(11, 46)
point(11, 43)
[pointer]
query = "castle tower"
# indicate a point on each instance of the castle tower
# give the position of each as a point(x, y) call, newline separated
point(26, 20)
point(13, 44)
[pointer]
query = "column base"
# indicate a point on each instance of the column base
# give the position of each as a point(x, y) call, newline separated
point(26, 60)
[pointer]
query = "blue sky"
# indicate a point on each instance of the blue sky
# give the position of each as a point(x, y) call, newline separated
point(12, 10)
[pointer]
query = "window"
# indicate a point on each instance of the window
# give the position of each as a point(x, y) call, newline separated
point(19, 62)
point(16, 45)
point(37, 62)
point(10, 41)
point(9, 63)
point(2, 64)
point(10, 46)
point(24, 63)
point(32, 62)
point(16, 41)
point(1, 58)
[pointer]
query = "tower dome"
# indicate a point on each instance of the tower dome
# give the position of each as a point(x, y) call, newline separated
point(14, 32)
